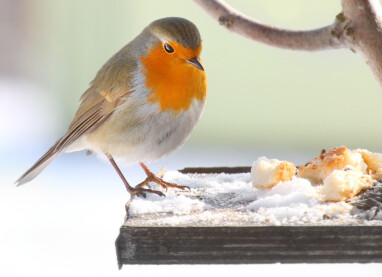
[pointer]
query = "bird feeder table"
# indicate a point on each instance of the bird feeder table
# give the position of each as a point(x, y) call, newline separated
point(221, 221)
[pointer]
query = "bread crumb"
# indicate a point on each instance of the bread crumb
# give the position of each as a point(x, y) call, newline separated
point(336, 158)
point(372, 160)
point(378, 175)
point(267, 173)
point(344, 184)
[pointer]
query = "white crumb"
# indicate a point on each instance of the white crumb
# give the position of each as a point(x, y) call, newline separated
point(267, 173)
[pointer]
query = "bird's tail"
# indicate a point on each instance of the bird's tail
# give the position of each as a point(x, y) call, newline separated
point(39, 166)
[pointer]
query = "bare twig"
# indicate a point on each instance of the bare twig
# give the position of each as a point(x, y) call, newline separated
point(237, 22)
point(358, 27)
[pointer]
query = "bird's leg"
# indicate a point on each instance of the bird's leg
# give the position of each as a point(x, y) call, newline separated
point(151, 177)
point(133, 191)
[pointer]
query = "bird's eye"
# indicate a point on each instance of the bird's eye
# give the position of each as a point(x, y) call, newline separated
point(168, 48)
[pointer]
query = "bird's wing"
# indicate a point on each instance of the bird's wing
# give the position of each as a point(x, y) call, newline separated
point(108, 90)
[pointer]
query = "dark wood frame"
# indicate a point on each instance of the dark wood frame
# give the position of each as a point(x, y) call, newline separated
point(245, 245)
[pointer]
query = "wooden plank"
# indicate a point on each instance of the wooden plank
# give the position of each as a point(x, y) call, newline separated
point(240, 245)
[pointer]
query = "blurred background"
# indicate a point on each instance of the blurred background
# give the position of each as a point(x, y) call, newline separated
point(258, 97)
point(262, 101)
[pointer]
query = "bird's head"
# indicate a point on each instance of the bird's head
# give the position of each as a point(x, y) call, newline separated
point(171, 65)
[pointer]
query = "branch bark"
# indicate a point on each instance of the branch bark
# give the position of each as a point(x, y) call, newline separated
point(358, 28)
point(237, 22)
point(363, 32)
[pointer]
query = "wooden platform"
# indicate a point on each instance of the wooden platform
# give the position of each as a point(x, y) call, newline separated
point(239, 245)
point(143, 242)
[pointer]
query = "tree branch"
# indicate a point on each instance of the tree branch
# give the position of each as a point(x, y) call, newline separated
point(358, 27)
point(364, 31)
point(312, 40)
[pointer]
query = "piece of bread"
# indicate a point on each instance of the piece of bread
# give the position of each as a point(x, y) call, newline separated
point(344, 184)
point(373, 162)
point(267, 173)
point(377, 175)
point(338, 158)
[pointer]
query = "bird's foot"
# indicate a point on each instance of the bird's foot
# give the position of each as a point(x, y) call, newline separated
point(152, 178)
point(139, 191)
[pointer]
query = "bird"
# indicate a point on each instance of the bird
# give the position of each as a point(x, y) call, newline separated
point(143, 103)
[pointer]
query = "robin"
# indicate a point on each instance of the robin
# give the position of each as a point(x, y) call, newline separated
point(143, 103)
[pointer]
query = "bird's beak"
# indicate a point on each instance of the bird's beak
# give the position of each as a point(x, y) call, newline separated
point(195, 62)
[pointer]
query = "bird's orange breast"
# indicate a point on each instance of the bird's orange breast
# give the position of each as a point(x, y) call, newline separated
point(173, 83)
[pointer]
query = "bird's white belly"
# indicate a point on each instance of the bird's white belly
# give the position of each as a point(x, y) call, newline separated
point(139, 132)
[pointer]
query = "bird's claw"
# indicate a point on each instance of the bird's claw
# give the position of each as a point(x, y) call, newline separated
point(139, 191)
point(151, 177)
